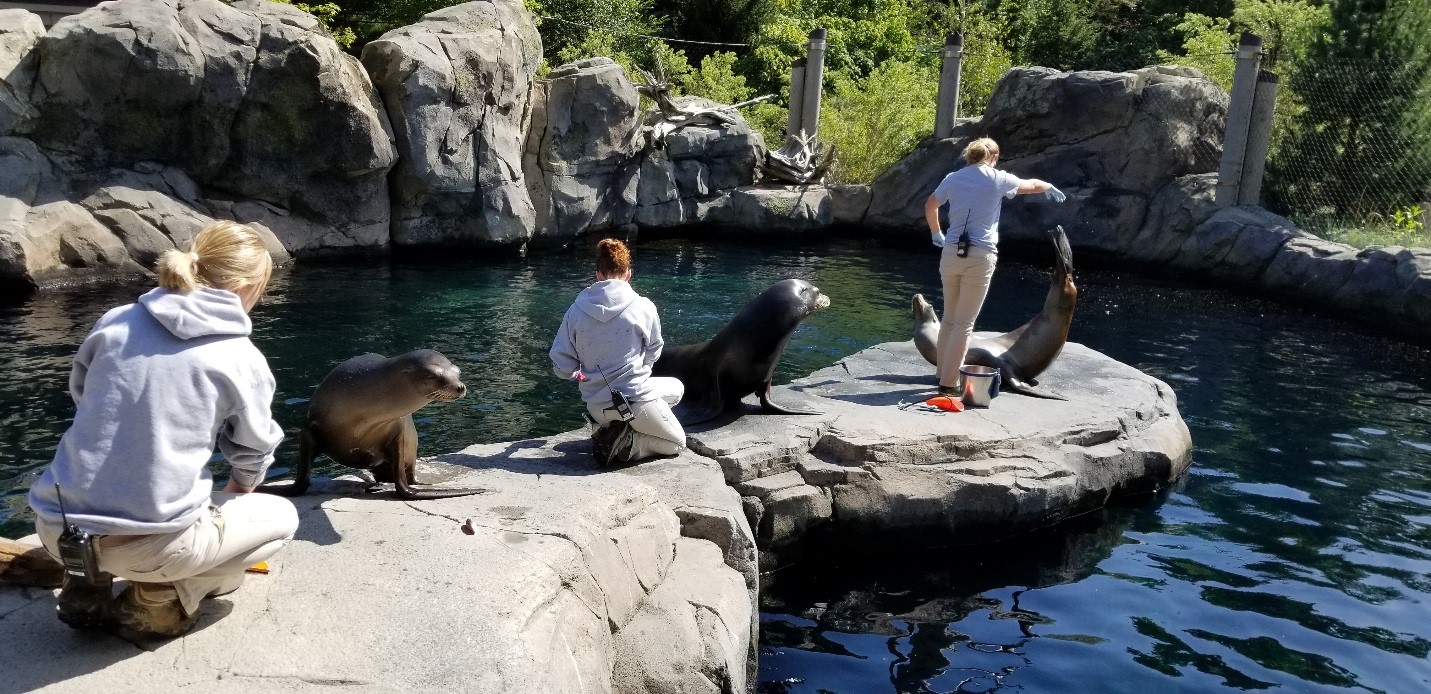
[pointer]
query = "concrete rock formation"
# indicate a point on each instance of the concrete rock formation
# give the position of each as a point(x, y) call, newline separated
point(253, 101)
point(869, 467)
point(19, 31)
point(584, 132)
point(203, 109)
point(456, 87)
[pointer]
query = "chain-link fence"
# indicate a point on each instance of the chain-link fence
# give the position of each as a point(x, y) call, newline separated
point(1351, 153)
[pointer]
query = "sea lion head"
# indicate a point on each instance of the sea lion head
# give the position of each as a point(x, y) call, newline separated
point(808, 295)
point(436, 376)
point(923, 310)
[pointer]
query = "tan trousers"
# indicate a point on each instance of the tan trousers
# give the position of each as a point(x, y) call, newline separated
point(206, 558)
point(966, 283)
point(657, 431)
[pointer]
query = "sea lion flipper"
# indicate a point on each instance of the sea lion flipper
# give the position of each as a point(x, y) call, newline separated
point(302, 472)
point(1014, 385)
point(697, 410)
point(770, 406)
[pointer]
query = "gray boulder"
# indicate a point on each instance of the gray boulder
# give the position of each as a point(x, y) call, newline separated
point(253, 101)
point(765, 210)
point(584, 131)
point(19, 31)
point(43, 236)
point(865, 466)
point(1178, 208)
point(456, 88)
point(1236, 244)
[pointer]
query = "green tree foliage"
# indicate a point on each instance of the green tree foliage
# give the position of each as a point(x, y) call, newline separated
point(1287, 27)
point(878, 119)
point(720, 21)
point(861, 34)
point(327, 13)
point(1361, 146)
point(715, 79)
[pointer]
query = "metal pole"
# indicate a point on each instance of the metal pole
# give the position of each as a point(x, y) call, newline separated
point(947, 109)
point(1239, 118)
point(797, 96)
point(1259, 139)
point(814, 80)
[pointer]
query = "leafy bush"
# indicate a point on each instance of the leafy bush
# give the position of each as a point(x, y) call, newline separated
point(876, 120)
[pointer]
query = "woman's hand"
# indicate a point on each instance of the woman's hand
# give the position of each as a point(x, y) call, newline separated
point(1054, 194)
point(235, 488)
point(937, 238)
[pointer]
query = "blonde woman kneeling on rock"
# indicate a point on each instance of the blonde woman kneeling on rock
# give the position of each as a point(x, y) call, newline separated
point(974, 196)
point(155, 384)
point(607, 341)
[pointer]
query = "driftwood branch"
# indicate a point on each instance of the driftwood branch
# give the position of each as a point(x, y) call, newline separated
point(802, 160)
point(28, 565)
point(674, 117)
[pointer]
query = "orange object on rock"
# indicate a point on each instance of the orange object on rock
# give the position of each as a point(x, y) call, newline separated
point(259, 568)
point(944, 402)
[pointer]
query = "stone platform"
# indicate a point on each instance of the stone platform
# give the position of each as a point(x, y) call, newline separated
point(638, 579)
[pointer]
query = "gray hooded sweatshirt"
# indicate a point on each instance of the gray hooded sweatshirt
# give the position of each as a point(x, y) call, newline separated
point(611, 330)
point(155, 384)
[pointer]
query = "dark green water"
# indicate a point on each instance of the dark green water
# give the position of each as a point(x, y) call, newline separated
point(1296, 555)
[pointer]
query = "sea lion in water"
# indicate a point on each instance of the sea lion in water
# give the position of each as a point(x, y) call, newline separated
point(1021, 355)
point(361, 416)
point(741, 358)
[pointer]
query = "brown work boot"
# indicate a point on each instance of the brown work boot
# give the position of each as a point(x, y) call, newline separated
point(152, 609)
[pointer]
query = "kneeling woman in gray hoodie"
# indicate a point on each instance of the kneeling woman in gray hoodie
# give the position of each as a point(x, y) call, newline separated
point(608, 340)
point(155, 384)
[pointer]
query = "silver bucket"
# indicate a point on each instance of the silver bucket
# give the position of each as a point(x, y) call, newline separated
point(981, 385)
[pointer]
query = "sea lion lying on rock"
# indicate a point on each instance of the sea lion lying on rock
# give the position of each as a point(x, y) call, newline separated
point(361, 416)
point(1023, 354)
point(741, 358)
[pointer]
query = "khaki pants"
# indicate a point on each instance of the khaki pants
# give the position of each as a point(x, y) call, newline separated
point(206, 558)
point(966, 283)
point(657, 431)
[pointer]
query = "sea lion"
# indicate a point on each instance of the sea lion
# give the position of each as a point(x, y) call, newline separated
point(361, 416)
point(741, 358)
point(1021, 355)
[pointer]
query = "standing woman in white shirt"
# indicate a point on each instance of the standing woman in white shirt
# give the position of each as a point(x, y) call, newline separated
point(975, 195)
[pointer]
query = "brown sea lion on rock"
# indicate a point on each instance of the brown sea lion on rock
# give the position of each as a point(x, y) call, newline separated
point(1021, 355)
point(741, 358)
point(361, 416)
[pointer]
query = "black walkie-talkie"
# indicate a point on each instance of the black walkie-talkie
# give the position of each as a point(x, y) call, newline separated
point(618, 401)
point(76, 548)
point(84, 597)
point(963, 249)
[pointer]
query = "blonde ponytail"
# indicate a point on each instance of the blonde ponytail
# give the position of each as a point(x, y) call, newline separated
point(980, 151)
point(227, 255)
point(178, 271)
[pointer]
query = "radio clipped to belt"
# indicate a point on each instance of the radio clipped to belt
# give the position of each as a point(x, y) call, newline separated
point(619, 403)
point(963, 247)
point(85, 594)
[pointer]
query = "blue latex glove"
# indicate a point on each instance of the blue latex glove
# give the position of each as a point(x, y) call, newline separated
point(1055, 194)
point(937, 238)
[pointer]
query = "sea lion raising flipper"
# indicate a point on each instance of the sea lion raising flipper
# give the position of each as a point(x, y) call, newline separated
point(741, 358)
point(361, 416)
point(1023, 354)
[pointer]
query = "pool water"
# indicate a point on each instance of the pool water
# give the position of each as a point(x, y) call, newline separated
point(1295, 555)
